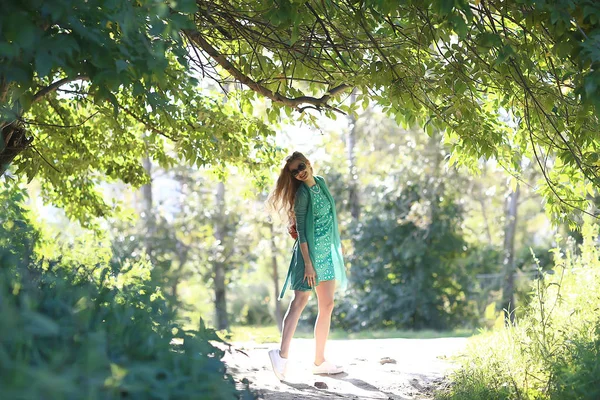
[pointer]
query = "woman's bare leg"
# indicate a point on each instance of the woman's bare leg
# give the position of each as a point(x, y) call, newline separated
point(290, 321)
point(325, 291)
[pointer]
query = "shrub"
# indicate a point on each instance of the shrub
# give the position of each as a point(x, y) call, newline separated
point(77, 331)
point(407, 269)
point(553, 351)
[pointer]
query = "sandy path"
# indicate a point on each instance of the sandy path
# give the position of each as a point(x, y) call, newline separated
point(375, 369)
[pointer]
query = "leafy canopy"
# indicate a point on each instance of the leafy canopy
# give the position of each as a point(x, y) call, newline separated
point(511, 80)
point(98, 85)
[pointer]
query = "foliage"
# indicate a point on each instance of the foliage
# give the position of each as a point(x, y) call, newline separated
point(407, 262)
point(511, 81)
point(552, 352)
point(249, 305)
point(505, 80)
point(101, 84)
point(74, 330)
point(17, 235)
point(407, 274)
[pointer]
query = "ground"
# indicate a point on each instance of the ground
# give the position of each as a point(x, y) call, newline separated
point(395, 369)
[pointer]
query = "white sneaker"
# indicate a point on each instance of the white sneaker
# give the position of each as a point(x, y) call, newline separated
point(278, 363)
point(327, 368)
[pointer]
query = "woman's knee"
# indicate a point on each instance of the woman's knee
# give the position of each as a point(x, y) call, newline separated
point(300, 300)
point(326, 304)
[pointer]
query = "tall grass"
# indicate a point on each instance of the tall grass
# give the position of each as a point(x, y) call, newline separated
point(553, 352)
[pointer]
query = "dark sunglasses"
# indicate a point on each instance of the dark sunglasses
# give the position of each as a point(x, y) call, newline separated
point(301, 167)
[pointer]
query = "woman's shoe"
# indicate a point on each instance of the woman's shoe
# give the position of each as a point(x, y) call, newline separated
point(328, 368)
point(278, 363)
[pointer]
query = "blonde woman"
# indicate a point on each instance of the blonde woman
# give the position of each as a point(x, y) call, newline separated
point(317, 263)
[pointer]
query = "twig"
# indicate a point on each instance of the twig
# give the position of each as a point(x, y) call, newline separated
point(57, 125)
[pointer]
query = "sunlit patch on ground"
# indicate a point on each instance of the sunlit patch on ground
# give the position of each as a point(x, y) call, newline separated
point(375, 368)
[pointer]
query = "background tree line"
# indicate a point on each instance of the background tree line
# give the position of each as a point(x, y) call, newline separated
point(100, 97)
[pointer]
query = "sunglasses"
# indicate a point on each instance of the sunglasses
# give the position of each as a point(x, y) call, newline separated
point(301, 167)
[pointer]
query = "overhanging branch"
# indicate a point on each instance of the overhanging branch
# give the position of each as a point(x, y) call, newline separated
point(296, 102)
point(55, 85)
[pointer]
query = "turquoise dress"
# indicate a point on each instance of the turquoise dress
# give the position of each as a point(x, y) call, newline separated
point(316, 223)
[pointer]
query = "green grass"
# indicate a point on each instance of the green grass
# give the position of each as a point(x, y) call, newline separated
point(270, 334)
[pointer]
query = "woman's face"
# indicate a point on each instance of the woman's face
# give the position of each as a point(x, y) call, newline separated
point(300, 170)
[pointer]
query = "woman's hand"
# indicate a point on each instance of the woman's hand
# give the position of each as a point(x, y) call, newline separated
point(310, 275)
point(292, 231)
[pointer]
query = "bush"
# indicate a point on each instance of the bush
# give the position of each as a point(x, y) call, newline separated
point(407, 268)
point(78, 331)
point(553, 352)
point(250, 306)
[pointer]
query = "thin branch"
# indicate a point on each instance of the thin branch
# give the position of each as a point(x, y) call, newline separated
point(57, 125)
point(146, 124)
point(52, 87)
point(44, 158)
point(312, 10)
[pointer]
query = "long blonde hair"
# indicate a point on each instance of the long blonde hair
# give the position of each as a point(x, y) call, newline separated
point(283, 196)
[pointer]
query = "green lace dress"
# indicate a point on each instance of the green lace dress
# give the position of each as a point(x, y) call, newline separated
point(323, 262)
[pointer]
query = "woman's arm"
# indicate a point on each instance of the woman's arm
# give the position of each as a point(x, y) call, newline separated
point(305, 254)
point(310, 275)
point(300, 210)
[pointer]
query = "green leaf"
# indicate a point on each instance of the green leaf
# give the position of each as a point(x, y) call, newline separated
point(113, 99)
point(43, 62)
point(138, 88)
point(504, 54)
point(41, 325)
point(488, 39)
point(121, 65)
point(590, 86)
point(459, 25)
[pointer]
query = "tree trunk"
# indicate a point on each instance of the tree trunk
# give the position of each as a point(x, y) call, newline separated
point(221, 319)
point(147, 210)
point(488, 231)
point(353, 200)
point(481, 198)
point(508, 295)
point(182, 252)
point(12, 143)
point(275, 275)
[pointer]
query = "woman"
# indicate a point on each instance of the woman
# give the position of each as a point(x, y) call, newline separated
point(317, 262)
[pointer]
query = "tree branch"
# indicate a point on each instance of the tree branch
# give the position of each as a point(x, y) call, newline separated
point(319, 102)
point(148, 125)
point(49, 89)
point(312, 10)
point(45, 160)
point(57, 125)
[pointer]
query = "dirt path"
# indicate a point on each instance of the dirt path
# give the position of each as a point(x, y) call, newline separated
point(375, 369)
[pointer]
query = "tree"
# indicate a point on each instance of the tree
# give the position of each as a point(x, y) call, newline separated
point(406, 266)
point(218, 263)
point(449, 66)
point(353, 200)
point(446, 65)
point(87, 89)
point(508, 289)
point(275, 275)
